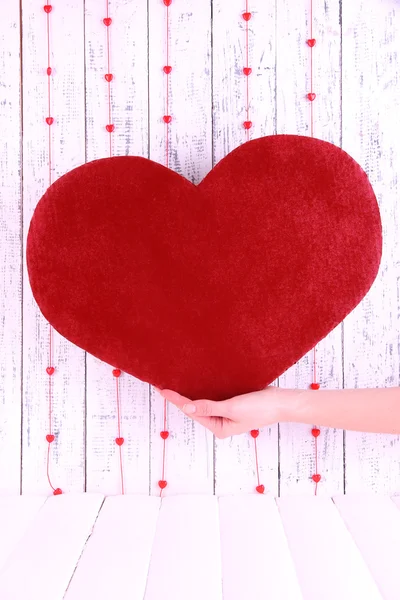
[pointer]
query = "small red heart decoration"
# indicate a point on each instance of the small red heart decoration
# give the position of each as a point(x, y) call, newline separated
point(164, 434)
point(316, 478)
point(167, 69)
point(109, 77)
point(277, 244)
point(47, 8)
point(254, 433)
point(260, 489)
point(247, 71)
point(311, 42)
point(247, 16)
point(110, 128)
point(107, 21)
point(49, 120)
point(57, 492)
point(50, 370)
point(315, 432)
point(162, 484)
point(119, 441)
point(167, 2)
point(116, 372)
point(315, 386)
point(311, 96)
point(49, 70)
point(247, 124)
point(167, 118)
point(50, 438)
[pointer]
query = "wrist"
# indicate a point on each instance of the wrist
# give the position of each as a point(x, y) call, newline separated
point(293, 406)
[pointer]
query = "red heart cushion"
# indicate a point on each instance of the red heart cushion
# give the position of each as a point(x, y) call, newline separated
point(212, 290)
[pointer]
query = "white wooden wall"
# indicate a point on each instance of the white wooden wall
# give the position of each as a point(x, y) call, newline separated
point(357, 107)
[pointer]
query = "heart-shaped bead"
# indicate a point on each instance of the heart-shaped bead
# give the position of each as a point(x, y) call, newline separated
point(315, 432)
point(108, 77)
point(311, 42)
point(110, 128)
point(260, 489)
point(49, 71)
point(315, 386)
point(162, 484)
point(57, 492)
point(116, 372)
point(50, 370)
point(311, 96)
point(247, 124)
point(50, 437)
point(167, 118)
point(316, 478)
point(119, 441)
point(47, 8)
point(167, 2)
point(164, 434)
point(49, 120)
point(107, 21)
point(247, 71)
point(167, 69)
point(247, 16)
point(254, 433)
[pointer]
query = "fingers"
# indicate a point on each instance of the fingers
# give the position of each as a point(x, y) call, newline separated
point(197, 408)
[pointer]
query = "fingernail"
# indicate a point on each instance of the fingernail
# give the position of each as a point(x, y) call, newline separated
point(189, 409)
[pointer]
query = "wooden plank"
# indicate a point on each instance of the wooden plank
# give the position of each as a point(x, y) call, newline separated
point(255, 551)
point(186, 557)
point(371, 103)
point(328, 562)
point(190, 446)
point(10, 250)
point(42, 564)
point(296, 445)
point(67, 457)
point(16, 514)
point(374, 523)
point(235, 457)
point(128, 47)
point(116, 558)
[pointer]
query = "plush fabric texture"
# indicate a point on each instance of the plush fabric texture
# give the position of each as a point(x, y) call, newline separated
point(210, 290)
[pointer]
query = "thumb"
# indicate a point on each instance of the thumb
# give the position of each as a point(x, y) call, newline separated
point(205, 408)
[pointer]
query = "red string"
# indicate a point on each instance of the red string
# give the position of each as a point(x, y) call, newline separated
point(247, 71)
point(162, 484)
point(50, 369)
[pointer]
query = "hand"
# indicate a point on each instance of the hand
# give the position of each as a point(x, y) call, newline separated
point(231, 417)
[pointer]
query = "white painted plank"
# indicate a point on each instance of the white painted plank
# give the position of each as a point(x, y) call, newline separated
point(190, 447)
point(129, 95)
point(374, 523)
point(235, 469)
point(328, 562)
point(16, 513)
point(10, 249)
point(67, 455)
point(116, 558)
point(371, 104)
point(256, 561)
point(297, 462)
point(186, 557)
point(42, 564)
point(396, 500)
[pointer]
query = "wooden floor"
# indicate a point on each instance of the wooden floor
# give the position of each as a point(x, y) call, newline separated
point(195, 547)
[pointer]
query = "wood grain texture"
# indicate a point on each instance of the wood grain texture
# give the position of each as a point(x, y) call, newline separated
point(371, 103)
point(10, 250)
point(356, 80)
point(190, 447)
point(129, 99)
point(296, 445)
point(67, 466)
point(235, 467)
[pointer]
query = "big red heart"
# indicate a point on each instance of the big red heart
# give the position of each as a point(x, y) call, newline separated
point(212, 290)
